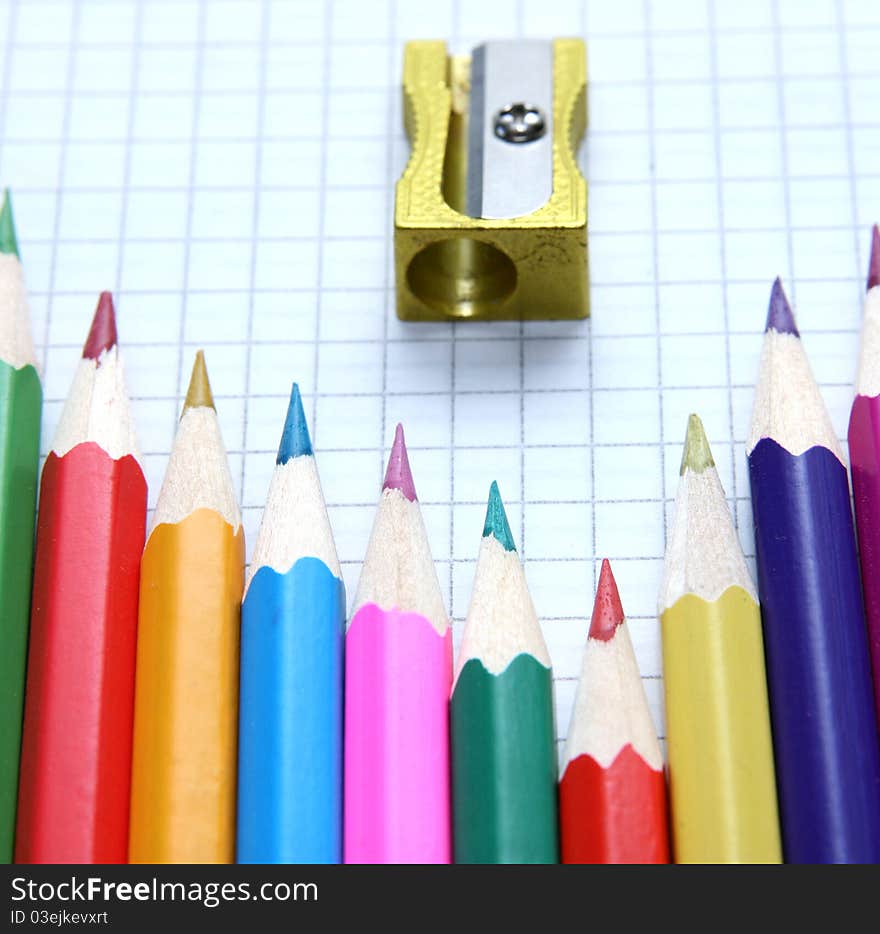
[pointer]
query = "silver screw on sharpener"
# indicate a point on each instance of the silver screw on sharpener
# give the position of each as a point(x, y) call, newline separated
point(519, 123)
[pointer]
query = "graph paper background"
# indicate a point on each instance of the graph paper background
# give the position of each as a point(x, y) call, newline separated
point(227, 168)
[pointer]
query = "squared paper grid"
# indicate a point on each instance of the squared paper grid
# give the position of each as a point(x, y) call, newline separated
point(227, 168)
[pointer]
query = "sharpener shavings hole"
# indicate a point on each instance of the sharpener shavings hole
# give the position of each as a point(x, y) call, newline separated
point(462, 277)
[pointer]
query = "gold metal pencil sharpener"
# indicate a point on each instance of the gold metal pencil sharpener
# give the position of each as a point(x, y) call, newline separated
point(490, 219)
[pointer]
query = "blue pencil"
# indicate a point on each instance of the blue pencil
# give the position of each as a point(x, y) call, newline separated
point(824, 726)
point(292, 637)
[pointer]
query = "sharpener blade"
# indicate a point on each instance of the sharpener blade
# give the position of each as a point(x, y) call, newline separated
point(509, 178)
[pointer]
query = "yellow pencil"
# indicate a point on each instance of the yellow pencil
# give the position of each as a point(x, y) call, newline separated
point(722, 780)
point(186, 695)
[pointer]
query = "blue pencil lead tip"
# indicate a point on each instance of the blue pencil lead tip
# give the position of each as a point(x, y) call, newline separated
point(779, 314)
point(496, 520)
point(295, 441)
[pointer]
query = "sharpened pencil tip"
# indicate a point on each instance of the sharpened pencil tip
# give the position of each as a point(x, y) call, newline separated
point(199, 392)
point(295, 441)
point(607, 609)
point(8, 240)
point(398, 475)
point(874, 262)
point(697, 454)
point(496, 520)
point(780, 317)
point(102, 333)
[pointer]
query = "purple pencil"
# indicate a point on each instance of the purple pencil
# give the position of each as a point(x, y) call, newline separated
point(818, 672)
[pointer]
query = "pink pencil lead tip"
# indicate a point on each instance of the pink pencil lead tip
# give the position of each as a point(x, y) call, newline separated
point(398, 475)
point(607, 609)
point(102, 334)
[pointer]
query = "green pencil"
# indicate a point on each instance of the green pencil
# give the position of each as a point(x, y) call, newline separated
point(503, 737)
point(21, 400)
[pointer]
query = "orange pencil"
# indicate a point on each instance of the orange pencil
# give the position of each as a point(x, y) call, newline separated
point(186, 695)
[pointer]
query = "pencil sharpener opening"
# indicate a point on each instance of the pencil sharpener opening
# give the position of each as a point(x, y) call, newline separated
point(461, 277)
point(490, 218)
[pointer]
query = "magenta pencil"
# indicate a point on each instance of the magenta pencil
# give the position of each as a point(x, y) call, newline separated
point(398, 675)
point(864, 456)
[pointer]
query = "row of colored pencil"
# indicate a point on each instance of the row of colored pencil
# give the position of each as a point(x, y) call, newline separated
point(136, 745)
point(132, 712)
point(152, 733)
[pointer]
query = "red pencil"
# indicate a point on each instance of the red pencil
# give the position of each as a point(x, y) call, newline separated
point(76, 749)
point(612, 797)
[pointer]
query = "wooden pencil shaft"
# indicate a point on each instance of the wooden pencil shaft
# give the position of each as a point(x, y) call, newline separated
point(186, 705)
point(398, 672)
point(864, 455)
point(76, 751)
point(504, 764)
point(824, 725)
point(21, 402)
point(864, 447)
point(722, 780)
point(613, 813)
point(290, 733)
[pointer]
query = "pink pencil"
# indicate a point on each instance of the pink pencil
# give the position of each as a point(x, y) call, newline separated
point(864, 456)
point(398, 675)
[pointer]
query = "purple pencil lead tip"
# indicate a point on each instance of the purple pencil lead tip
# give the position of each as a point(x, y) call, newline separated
point(874, 262)
point(398, 475)
point(779, 313)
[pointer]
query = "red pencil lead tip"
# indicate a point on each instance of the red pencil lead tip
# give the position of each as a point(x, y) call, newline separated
point(102, 334)
point(398, 475)
point(607, 609)
point(874, 262)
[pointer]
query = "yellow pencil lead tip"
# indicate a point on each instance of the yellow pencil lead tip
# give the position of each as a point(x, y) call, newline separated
point(199, 392)
point(697, 455)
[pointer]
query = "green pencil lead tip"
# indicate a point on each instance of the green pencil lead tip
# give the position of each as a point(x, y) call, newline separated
point(496, 520)
point(697, 454)
point(8, 240)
